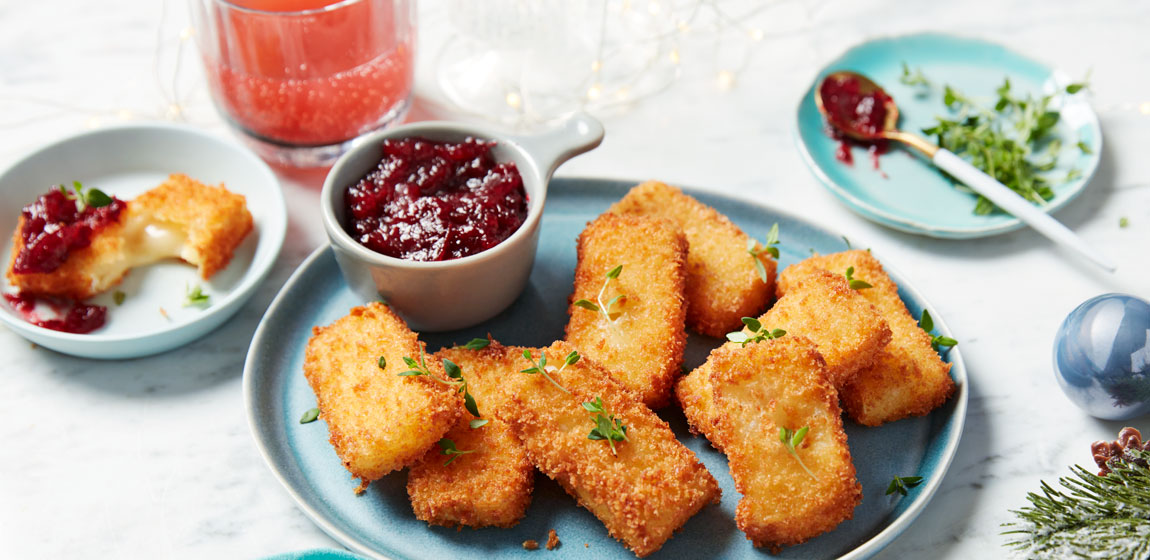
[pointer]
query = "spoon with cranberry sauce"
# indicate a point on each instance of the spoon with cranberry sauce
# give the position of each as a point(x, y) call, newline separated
point(861, 110)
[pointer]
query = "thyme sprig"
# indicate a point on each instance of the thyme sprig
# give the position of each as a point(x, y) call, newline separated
point(768, 247)
point(607, 309)
point(937, 341)
point(543, 369)
point(902, 484)
point(791, 440)
point(759, 333)
point(855, 283)
point(1095, 517)
point(194, 295)
point(85, 198)
point(607, 426)
point(454, 373)
point(447, 447)
point(477, 344)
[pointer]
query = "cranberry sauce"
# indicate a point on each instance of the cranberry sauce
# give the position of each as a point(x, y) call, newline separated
point(54, 226)
point(848, 107)
point(78, 318)
point(434, 201)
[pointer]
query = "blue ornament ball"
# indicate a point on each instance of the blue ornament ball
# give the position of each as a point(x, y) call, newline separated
point(1102, 356)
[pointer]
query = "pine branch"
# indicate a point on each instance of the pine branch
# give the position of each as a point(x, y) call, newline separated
point(1095, 517)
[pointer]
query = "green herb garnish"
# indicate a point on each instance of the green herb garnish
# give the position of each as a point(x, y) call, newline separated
point(1123, 222)
point(607, 309)
point(447, 447)
point(855, 283)
point(477, 344)
point(937, 341)
point(194, 295)
point(454, 374)
point(607, 427)
point(382, 362)
point(759, 333)
point(478, 423)
point(1085, 148)
point(309, 416)
point(1005, 141)
point(791, 440)
point(915, 78)
point(119, 297)
point(768, 247)
point(85, 198)
point(902, 484)
point(542, 368)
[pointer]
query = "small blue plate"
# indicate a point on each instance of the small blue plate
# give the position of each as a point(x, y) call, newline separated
point(906, 192)
point(380, 522)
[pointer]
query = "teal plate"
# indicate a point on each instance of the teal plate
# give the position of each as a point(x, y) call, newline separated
point(906, 192)
point(380, 522)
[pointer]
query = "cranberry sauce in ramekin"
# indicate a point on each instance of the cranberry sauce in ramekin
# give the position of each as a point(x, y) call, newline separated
point(435, 201)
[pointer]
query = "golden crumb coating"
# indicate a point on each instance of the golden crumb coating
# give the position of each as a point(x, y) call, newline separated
point(757, 391)
point(379, 421)
point(907, 378)
point(645, 492)
point(181, 218)
point(642, 347)
point(723, 285)
point(213, 219)
point(847, 330)
point(489, 487)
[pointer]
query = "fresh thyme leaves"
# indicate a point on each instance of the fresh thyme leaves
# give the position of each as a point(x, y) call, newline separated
point(1072, 175)
point(1096, 517)
point(759, 333)
point(309, 416)
point(478, 423)
point(454, 374)
point(768, 247)
point(84, 198)
point(902, 484)
point(1123, 222)
point(1012, 142)
point(447, 447)
point(541, 366)
point(194, 295)
point(937, 341)
point(119, 297)
point(382, 362)
point(607, 426)
point(915, 78)
point(477, 344)
point(607, 309)
point(791, 440)
point(1085, 148)
point(855, 283)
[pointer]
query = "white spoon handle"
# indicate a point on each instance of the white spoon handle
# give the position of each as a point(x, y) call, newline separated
point(1017, 206)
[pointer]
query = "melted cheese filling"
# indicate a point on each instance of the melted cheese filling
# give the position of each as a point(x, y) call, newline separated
point(143, 242)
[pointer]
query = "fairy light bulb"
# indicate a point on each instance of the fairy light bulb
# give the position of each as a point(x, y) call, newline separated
point(513, 100)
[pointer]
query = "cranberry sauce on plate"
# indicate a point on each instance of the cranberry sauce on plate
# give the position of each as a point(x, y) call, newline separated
point(434, 201)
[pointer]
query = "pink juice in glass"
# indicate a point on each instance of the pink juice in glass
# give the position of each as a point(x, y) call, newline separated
point(309, 72)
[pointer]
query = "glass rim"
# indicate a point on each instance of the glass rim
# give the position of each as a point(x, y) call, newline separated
point(328, 8)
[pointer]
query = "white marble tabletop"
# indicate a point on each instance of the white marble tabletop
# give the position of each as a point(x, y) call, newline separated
point(152, 458)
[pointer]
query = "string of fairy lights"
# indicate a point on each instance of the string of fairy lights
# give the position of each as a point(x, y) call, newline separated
point(670, 32)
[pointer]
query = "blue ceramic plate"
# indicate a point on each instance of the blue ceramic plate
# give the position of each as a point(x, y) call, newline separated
point(906, 192)
point(380, 522)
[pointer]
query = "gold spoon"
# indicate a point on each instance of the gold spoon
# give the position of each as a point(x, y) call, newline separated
point(971, 176)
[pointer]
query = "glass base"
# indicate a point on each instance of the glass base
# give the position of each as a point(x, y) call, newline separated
point(280, 154)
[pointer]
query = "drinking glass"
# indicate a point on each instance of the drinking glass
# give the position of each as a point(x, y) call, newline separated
point(301, 79)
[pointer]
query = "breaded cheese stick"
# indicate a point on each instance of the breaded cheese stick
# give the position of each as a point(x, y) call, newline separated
point(181, 218)
point(759, 390)
point(907, 378)
point(644, 489)
point(489, 486)
point(642, 346)
point(723, 284)
point(847, 330)
point(379, 421)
